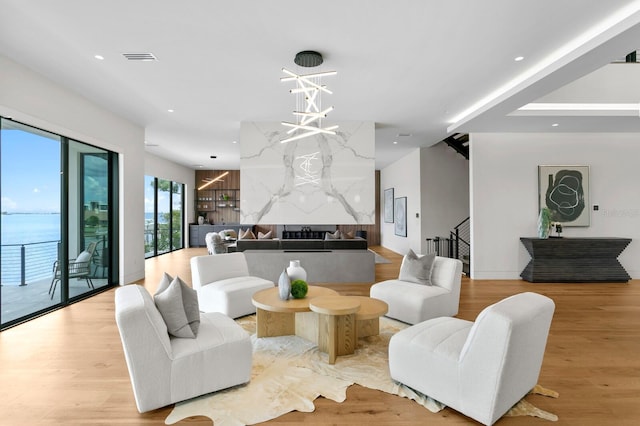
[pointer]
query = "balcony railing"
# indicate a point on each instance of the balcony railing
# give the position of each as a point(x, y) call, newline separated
point(28, 262)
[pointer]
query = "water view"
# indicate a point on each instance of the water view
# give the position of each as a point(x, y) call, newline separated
point(38, 235)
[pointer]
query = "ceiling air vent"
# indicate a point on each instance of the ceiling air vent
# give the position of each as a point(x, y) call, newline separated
point(140, 56)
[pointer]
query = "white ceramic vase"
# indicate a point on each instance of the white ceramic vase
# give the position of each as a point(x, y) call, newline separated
point(296, 272)
point(284, 285)
point(200, 220)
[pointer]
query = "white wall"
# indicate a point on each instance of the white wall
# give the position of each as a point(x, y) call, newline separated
point(504, 194)
point(404, 177)
point(30, 98)
point(444, 185)
point(165, 169)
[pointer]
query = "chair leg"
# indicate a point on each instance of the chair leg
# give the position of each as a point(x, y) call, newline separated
point(89, 282)
point(52, 289)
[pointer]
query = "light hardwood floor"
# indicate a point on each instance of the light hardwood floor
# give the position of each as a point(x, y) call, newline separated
point(67, 367)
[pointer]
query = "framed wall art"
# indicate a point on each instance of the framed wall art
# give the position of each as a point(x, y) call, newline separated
point(565, 191)
point(400, 216)
point(388, 205)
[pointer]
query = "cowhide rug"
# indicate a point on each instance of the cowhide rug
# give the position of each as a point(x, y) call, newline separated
point(289, 373)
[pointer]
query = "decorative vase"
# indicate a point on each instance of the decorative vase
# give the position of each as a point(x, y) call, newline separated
point(284, 285)
point(544, 223)
point(296, 272)
point(200, 220)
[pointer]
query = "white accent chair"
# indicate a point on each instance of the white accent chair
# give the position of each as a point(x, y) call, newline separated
point(165, 369)
point(413, 303)
point(480, 369)
point(215, 244)
point(224, 285)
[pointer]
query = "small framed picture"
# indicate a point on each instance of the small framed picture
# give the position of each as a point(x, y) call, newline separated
point(400, 216)
point(388, 205)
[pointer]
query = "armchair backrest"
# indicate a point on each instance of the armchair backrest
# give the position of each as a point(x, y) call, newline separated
point(447, 273)
point(504, 350)
point(207, 269)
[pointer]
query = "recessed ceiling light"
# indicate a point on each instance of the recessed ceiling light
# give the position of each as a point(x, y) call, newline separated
point(99, 57)
point(234, 142)
point(170, 110)
point(555, 125)
point(213, 157)
point(197, 165)
point(518, 58)
point(395, 142)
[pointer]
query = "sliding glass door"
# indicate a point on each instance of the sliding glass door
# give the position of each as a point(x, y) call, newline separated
point(31, 221)
point(58, 239)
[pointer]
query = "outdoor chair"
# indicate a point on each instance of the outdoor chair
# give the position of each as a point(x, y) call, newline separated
point(80, 267)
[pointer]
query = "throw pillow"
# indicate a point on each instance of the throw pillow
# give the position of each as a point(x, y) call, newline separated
point(346, 235)
point(332, 236)
point(178, 305)
point(246, 235)
point(416, 269)
point(262, 236)
point(84, 256)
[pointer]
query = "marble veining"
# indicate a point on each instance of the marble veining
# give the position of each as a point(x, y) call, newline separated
point(323, 179)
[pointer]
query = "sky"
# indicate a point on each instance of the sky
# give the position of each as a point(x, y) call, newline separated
point(30, 173)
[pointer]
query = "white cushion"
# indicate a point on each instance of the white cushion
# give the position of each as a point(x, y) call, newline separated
point(266, 236)
point(332, 236)
point(231, 296)
point(84, 256)
point(417, 269)
point(246, 235)
point(178, 305)
point(410, 302)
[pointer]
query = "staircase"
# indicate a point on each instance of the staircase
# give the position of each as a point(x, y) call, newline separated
point(456, 245)
point(459, 142)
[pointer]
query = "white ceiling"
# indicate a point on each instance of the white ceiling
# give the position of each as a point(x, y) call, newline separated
point(411, 66)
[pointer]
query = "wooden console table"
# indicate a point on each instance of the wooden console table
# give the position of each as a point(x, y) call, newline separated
point(575, 260)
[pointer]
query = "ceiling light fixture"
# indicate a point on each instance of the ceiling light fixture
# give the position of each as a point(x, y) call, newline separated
point(308, 93)
point(518, 58)
point(99, 57)
point(213, 180)
point(579, 109)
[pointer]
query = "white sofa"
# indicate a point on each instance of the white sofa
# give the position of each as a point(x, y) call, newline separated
point(413, 303)
point(165, 369)
point(224, 285)
point(480, 369)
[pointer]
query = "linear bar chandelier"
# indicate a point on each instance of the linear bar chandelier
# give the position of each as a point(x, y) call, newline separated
point(310, 89)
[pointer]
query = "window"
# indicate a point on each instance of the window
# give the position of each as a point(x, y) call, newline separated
point(164, 216)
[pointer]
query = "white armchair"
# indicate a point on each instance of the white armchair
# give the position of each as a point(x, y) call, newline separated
point(165, 369)
point(413, 303)
point(224, 285)
point(480, 369)
point(215, 243)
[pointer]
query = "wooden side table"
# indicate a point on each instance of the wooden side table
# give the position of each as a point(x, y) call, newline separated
point(368, 317)
point(337, 324)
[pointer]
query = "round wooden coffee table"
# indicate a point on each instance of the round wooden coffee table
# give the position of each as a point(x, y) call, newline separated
point(277, 317)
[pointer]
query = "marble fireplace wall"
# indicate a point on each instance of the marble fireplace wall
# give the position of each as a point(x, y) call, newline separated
point(321, 179)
